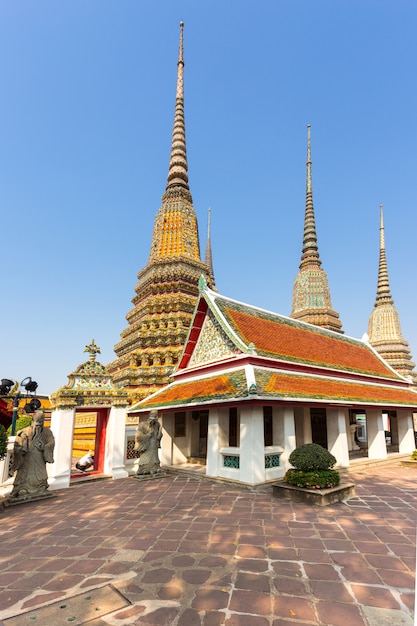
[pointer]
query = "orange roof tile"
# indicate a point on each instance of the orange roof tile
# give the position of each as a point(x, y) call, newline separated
point(330, 389)
point(277, 336)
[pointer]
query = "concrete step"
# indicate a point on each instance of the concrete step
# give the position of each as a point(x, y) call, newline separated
point(363, 464)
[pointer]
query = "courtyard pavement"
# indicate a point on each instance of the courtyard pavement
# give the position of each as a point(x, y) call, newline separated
point(188, 551)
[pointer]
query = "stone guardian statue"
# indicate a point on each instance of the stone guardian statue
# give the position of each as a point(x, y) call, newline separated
point(33, 448)
point(147, 442)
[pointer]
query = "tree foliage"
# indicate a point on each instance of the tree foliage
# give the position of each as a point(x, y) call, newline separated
point(3, 442)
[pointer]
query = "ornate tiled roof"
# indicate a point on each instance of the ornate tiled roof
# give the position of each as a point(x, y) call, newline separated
point(311, 300)
point(238, 352)
point(280, 337)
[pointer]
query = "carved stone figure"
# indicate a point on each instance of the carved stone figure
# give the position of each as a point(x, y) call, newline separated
point(33, 448)
point(147, 441)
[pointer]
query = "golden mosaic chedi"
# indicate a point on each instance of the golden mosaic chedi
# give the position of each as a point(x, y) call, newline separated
point(168, 285)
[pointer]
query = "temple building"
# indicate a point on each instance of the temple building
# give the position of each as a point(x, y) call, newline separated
point(384, 329)
point(167, 290)
point(253, 385)
point(311, 300)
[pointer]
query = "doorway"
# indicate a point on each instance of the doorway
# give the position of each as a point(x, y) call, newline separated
point(199, 421)
point(319, 427)
point(89, 436)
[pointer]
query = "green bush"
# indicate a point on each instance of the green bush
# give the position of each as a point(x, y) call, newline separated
point(319, 479)
point(3, 442)
point(311, 457)
point(414, 456)
point(21, 423)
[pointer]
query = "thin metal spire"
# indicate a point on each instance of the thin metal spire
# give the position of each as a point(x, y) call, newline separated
point(310, 253)
point(209, 258)
point(178, 166)
point(383, 292)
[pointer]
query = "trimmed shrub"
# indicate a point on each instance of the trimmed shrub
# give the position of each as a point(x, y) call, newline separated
point(320, 479)
point(312, 465)
point(310, 457)
point(414, 455)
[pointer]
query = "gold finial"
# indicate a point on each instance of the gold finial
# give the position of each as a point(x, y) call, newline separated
point(93, 350)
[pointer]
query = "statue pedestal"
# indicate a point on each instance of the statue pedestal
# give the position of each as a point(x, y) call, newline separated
point(150, 476)
point(28, 498)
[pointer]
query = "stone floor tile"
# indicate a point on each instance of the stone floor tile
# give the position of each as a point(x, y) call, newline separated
point(403, 580)
point(63, 581)
point(290, 586)
point(375, 596)
point(207, 599)
point(333, 613)
point(295, 608)
point(282, 554)
point(319, 571)
point(212, 561)
point(213, 618)
point(252, 565)
point(385, 562)
point(196, 576)
point(158, 575)
point(314, 556)
point(160, 617)
point(253, 582)
point(190, 617)
point(329, 590)
point(249, 601)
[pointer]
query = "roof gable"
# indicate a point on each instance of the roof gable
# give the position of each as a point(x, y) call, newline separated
point(281, 338)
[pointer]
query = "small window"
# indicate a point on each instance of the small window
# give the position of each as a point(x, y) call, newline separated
point(268, 429)
point(233, 428)
point(179, 424)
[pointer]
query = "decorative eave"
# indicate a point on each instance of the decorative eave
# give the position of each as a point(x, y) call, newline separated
point(269, 385)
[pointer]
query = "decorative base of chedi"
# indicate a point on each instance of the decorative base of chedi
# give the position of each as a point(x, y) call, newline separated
point(317, 497)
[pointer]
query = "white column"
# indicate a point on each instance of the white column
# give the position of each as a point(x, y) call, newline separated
point(308, 436)
point(377, 447)
point(167, 438)
point(406, 441)
point(288, 436)
point(115, 451)
point(62, 426)
point(216, 439)
point(337, 437)
point(252, 456)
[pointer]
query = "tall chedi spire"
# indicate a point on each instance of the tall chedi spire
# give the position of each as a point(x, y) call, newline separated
point(168, 285)
point(311, 300)
point(384, 330)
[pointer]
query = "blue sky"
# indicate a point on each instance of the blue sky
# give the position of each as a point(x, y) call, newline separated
point(86, 113)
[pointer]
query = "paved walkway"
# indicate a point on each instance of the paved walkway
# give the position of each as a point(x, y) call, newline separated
point(187, 551)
